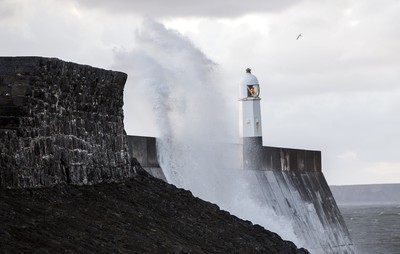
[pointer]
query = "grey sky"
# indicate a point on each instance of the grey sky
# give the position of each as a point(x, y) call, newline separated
point(184, 8)
point(336, 89)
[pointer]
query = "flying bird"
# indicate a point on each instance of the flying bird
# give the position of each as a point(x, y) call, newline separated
point(298, 36)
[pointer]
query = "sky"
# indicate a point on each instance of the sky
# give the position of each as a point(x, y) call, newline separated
point(336, 89)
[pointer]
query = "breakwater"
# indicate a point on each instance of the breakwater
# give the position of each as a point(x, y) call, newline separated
point(290, 181)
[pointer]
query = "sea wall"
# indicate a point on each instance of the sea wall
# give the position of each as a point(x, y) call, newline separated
point(289, 181)
point(305, 200)
point(60, 122)
point(259, 157)
point(144, 149)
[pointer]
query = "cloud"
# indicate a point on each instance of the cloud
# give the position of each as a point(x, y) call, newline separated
point(384, 168)
point(60, 29)
point(8, 9)
point(348, 155)
point(184, 8)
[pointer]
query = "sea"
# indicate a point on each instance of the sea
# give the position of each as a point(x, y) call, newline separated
point(374, 228)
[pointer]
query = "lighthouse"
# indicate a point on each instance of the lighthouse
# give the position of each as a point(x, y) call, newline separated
point(250, 130)
point(249, 106)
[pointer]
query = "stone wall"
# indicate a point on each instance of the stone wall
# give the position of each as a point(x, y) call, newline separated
point(60, 122)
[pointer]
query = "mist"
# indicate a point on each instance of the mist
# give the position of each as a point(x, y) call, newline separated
point(183, 93)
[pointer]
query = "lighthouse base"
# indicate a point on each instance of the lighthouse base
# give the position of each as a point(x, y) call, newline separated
point(252, 153)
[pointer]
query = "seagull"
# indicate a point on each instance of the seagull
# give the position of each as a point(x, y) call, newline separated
point(298, 36)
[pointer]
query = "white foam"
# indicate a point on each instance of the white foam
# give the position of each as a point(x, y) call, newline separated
point(187, 98)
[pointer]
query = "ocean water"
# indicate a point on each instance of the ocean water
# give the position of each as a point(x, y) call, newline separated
point(375, 229)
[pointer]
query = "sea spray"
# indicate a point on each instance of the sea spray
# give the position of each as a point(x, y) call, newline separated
point(187, 97)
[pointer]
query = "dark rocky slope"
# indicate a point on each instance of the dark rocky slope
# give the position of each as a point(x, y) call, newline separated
point(140, 215)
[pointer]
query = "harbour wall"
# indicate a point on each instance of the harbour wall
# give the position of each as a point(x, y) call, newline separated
point(259, 157)
point(145, 151)
point(290, 181)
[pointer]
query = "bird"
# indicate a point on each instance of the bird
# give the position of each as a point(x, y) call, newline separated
point(298, 36)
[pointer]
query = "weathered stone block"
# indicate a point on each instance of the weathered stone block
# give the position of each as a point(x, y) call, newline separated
point(60, 122)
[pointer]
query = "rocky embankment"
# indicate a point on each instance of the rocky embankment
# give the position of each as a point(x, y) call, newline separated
point(139, 215)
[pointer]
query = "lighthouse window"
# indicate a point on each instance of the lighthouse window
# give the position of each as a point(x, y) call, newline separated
point(253, 91)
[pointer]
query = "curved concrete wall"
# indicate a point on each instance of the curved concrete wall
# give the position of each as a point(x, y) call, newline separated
point(304, 198)
point(290, 181)
point(145, 151)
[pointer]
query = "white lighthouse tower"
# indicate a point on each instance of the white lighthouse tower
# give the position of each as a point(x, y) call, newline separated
point(249, 106)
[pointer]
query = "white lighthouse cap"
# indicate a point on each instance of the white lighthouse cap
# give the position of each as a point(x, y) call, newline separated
point(248, 80)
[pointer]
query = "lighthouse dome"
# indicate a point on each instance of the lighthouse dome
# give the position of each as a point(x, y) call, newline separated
point(249, 79)
point(249, 87)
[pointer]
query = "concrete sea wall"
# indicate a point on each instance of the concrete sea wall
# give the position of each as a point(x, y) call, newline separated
point(60, 122)
point(259, 157)
point(290, 181)
point(305, 199)
point(145, 151)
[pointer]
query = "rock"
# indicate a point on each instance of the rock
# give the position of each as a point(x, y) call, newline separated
point(139, 215)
